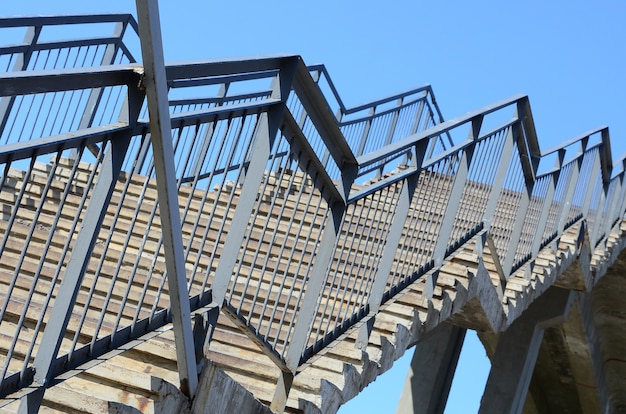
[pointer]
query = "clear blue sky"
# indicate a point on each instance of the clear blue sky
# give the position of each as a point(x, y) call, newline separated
point(568, 56)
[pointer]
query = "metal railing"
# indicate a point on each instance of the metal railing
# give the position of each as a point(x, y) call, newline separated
point(296, 227)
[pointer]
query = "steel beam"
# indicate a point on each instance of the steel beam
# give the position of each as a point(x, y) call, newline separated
point(265, 134)
point(452, 206)
point(76, 267)
point(58, 80)
point(401, 213)
point(161, 137)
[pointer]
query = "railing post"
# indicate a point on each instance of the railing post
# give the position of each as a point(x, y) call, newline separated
point(76, 267)
point(615, 204)
point(206, 138)
point(520, 219)
point(265, 133)
point(566, 201)
point(454, 201)
point(315, 284)
point(366, 131)
point(543, 218)
point(593, 235)
point(594, 172)
point(492, 202)
point(391, 245)
point(167, 190)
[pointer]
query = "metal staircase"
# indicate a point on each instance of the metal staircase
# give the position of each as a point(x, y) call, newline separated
point(316, 245)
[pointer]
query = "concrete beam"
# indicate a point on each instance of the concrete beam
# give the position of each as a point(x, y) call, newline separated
point(430, 375)
point(517, 350)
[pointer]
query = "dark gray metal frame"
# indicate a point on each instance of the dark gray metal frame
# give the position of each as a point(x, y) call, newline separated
point(241, 148)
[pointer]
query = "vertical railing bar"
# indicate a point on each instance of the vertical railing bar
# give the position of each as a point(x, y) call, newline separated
point(211, 214)
point(344, 249)
point(366, 129)
point(451, 209)
point(364, 239)
point(301, 260)
point(51, 109)
point(253, 216)
point(497, 186)
point(20, 261)
point(423, 224)
point(291, 254)
point(96, 94)
point(208, 133)
point(275, 161)
point(124, 247)
point(231, 197)
point(358, 240)
point(520, 219)
point(383, 210)
point(566, 201)
point(543, 218)
point(394, 236)
point(593, 236)
point(411, 239)
point(592, 175)
point(434, 188)
point(614, 212)
point(98, 271)
point(107, 243)
point(201, 156)
point(21, 63)
point(81, 93)
point(265, 136)
point(307, 312)
point(365, 285)
point(10, 222)
point(611, 205)
point(281, 213)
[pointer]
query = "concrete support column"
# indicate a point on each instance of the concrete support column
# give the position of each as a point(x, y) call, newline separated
point(430, 375)
point(517, 350)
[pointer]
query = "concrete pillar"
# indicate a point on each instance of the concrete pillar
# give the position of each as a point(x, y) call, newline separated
point(430, 375)
point(516, 353)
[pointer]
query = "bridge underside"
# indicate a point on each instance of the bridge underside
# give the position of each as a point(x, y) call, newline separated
point(581, 365)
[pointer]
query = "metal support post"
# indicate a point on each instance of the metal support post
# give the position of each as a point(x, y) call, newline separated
point(267, 127)
point(454, 201)
point(331, 231)
point(161, 137)
point(593, 235)
point(590, 188)
point(543, 218)
point(494, 195)
point(76, 267)
point(391, 246)
point(520, 218)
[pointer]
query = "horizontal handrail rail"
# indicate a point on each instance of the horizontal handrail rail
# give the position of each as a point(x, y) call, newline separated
point(437, 130)
point(21, 21)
